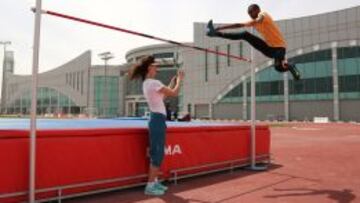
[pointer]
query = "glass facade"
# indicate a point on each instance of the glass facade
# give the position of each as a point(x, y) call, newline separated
point(317, 80)
point(164, 55)
point(164, 74)
point(48, 101)
point(349, 72)
point(106, 95)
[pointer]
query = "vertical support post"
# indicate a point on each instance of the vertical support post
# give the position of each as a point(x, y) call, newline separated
point(35, 68)
point(244, 102)
point(60, 195)
point(253, 110)
point(105, 96)
point(335, 82)
point(286, 97)
point(21, 105)
point(253, 114)
point(211, 110)
point(58, 104)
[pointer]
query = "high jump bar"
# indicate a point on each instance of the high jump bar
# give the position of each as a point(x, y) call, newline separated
point(111, 27)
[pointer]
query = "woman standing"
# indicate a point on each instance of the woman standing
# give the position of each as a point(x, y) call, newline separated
point(155, 93)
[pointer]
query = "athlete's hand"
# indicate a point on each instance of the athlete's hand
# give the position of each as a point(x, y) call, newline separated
point(180, 76)
point(173, 81)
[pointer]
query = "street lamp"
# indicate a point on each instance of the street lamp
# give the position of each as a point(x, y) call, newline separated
point(3, 87)
point(106, 56)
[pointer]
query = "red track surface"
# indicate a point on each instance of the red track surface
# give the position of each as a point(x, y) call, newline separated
point(313, 163)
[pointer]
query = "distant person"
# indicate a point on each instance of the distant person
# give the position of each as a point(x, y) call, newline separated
point(176, 114)
point(273, 45)
point(168, 112)
point(185, 118)
point(155, 92)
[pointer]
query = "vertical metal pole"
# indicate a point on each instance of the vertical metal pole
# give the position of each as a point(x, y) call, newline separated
point(35, 68)
point(253, 110)
point(58, 104)
point(105, 90)
point(21, 105)
point(335, 83)
point(245, 101)
point(253, 113)
point(286, 96)
point(211, 110)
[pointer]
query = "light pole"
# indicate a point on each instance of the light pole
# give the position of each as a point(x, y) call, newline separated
point(3, 87)
point(106, 56)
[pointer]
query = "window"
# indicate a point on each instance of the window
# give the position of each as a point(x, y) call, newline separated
point(74, 80)
point(311, 86)
point(139, 57)
point(348, 52)
point(241, 49)
point(163, 55)
point(248, 88)
point(217, 60)
point(70, 79)
point(272, 88)
point(131, 60)
point(82, 82)
point(165, 75)
point(349, 83)
point(228, 53)
point(107, 103)
point(78, 81)
point(323, 55)
point(206, 66)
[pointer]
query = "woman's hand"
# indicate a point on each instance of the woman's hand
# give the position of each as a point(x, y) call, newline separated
point(180, 76)
point(173, 81)
point(173, 91)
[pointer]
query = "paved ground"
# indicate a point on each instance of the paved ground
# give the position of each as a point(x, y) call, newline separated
point(313, 163)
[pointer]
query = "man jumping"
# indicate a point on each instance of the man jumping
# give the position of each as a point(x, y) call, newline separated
point(273, 45)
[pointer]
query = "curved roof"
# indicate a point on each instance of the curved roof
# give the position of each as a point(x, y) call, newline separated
point(152, 47)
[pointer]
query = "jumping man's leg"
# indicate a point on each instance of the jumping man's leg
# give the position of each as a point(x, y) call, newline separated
point(293, 70)
point(282, 65)
point(253, 40)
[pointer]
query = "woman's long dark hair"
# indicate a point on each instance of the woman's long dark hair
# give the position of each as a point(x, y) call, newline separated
point(140, 69)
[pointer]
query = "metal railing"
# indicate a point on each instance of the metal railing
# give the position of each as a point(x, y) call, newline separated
point(176, 175)
point(233, 164)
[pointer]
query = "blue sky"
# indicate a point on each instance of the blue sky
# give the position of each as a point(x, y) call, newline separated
point(63, 40)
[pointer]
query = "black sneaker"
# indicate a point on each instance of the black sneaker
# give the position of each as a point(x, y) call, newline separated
point(295, 72)
point(211, 32)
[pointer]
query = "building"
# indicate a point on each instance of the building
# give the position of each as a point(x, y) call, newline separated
point(325, 47)
point(76, 87)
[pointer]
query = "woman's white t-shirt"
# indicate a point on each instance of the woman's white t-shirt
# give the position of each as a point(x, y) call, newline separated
point(154, 98)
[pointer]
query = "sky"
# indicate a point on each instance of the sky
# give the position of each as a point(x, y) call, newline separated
point(63, 40)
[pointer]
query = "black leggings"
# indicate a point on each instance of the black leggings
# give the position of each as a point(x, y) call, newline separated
point(277, 53)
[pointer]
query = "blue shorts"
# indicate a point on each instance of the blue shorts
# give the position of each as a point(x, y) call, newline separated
point(157, 132)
